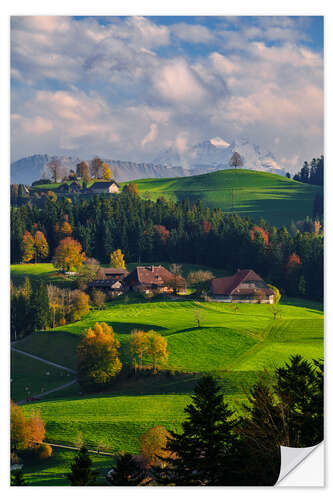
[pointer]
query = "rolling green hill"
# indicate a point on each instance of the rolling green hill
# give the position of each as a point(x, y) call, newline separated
point(235, 345)
point(246, 192)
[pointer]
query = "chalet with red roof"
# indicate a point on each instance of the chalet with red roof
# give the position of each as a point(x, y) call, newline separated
point(154, 278)
point(244, 286)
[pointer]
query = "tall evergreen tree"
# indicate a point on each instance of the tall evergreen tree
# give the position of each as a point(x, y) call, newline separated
point(205, 453)
point(82, 473)
point(40, 313)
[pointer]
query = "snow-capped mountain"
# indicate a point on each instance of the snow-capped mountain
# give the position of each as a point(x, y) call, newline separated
point(206, 156)
point(215, 154)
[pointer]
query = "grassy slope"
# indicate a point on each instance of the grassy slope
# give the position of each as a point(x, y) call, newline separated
point(43, 271)
point(256, 194)
point(233, 345)
point(53, 471)
point(28, 372)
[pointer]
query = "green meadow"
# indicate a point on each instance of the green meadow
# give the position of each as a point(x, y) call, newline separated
point(246, 192)
point(234, 345)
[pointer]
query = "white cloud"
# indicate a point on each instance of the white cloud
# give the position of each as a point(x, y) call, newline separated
point(146, 82)
point(177, 82)
point(151, 136)
point(194, 33)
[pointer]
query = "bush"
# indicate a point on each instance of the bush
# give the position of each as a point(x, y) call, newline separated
point(44, 451)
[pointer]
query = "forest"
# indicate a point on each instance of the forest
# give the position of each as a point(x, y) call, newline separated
point(181, 231)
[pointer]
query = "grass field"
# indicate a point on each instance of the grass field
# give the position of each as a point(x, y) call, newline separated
point(53, 471)
point(246, 192)
point(234, 345)
point(40, 272)
point(34, 375)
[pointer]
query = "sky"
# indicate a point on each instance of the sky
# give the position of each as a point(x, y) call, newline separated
point(128, 88)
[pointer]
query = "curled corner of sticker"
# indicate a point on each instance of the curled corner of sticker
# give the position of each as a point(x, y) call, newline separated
point(291, 458)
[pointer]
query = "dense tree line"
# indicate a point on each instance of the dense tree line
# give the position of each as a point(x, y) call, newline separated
point(312, 173)
point(176, 232)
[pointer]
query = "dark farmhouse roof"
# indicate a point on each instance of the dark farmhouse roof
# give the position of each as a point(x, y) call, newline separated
point(103, 185)
point(229, 285)
point(151, 275)
point(110, 272)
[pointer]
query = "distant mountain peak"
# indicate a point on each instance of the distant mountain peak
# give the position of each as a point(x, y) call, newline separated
point(214, 154)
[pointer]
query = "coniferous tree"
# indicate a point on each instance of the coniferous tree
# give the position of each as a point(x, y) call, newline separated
point(40, 313)
point(82, 473)
point(205, 453)
point(126, 472)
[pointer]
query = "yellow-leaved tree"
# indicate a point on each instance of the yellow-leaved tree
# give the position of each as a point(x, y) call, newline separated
point(158, 348)
point(117, 259)
point(28, 247)
point(68, 255)
point(41, 246)
point(98, 360)
point(139, 344)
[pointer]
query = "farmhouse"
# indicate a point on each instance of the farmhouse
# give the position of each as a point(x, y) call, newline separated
point(110, 279)
point(154, 278)
point(244, 286)
point(104, 187)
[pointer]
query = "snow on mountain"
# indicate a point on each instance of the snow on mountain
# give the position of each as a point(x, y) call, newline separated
point(215, 154)
point(206, 156)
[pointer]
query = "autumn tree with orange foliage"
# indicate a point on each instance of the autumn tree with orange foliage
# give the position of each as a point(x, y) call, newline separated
point(264, 234)
point(41, 246)
point(63, 230)
point(34, 247)
point(153, 443)
point(98, 361)
point(19, 429)
point(163, 232)
point(37, 429)
point(68, 255)
point(28, 247)
point(294, 261)
point(25, 432)
point(206, 226)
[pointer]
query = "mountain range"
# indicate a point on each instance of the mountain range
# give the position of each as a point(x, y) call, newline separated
point(207, 156)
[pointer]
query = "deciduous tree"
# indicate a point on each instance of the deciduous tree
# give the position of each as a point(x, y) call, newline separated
point(117, 259)
point(158, 348)
point(41, 246)
point(236, 160)
point(28, 247)
point(139, 344)
point(54, 167)
point(68, 255)
point(98, 361)
point(153, 443)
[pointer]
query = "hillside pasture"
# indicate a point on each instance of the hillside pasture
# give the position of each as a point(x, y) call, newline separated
point(248, 193)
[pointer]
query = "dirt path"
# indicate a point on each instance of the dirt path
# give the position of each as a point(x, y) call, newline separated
point(63, 386)
point(42, 394)
point(44, 360)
